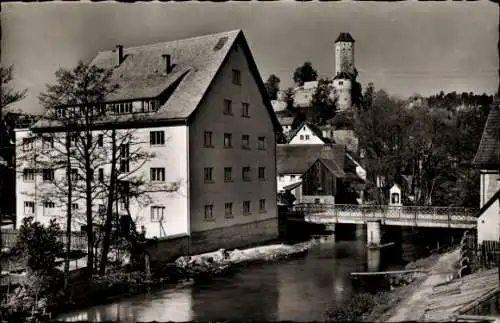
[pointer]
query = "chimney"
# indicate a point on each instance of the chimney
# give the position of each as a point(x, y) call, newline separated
point(167, 63)
point(119, 54)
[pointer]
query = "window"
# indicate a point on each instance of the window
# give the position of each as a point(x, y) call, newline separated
point(29, 207)
point(228, 140)
point(157, 138)
point(245, 141)
point(122, 108)
point(341, 83)
point(49, 205)
point(245, 173)
point(246, 207)
point(100, 175)
point(281, 178)
point(228, 107)
point(262, 173)
point(74, 206)
point(245, 109)
point(47, 142)
point(208, 174)
point(100, 140)
point(307, 137)
point(158, 174)
point(28, 175)
point(48, 174)
point(209, 215)
point(261, 143)
point(28, 144)
point(262, 205)
point(157, 213)
point(236, 77)
point(208, 140)
point(228, 174)
point(301, 137)
point(72, 140)
point(292, 177)
point(228, 210)
point(101, 209)
point(124, 158)
point(74, 175)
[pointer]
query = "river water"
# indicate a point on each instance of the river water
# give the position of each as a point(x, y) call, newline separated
point(298, 290)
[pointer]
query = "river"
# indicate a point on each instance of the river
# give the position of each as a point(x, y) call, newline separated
point(298, 290)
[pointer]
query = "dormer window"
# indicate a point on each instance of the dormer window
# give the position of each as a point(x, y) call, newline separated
point(149, 106)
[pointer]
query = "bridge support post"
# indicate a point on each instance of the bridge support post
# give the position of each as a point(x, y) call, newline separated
point(373, 233)
point(330, 227)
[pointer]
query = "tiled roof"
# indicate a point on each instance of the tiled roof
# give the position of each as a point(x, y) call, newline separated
point(487, 156)
point(332, 167)
point(296, 159)
point(344, 37)
point(195, 64)
point(286, 120)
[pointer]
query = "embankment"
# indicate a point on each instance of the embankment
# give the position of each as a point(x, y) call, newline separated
point(398, 303)
point(184, 270)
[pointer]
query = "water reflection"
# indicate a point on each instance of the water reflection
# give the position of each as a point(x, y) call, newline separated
point(298, 290)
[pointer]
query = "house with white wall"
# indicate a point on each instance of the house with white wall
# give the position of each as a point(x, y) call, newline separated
point(307, 133)
point(200, 107)
point(487, 160)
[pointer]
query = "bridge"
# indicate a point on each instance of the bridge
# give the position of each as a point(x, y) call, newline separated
point(376, 215)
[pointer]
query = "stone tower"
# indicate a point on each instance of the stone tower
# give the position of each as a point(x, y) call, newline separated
point(345, 72)
point(344, 54)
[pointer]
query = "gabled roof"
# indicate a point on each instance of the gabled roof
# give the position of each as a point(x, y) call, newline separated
point(196, 63)
point(487, 156)
point(296, 159)
point(315, 130)
point(331, 166)
point(345, 37)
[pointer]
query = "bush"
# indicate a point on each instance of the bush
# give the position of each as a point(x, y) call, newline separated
point(355, 308)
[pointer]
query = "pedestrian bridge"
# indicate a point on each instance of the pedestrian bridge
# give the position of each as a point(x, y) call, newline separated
point(419, 216)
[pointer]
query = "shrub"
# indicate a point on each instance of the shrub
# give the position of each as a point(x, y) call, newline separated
point(355, 308)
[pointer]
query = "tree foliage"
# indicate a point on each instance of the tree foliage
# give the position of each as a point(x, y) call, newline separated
point(38, 246)
point(305, 73)
point(323, 105)
point(417, 144)
point(272, 86)
point(8, 95)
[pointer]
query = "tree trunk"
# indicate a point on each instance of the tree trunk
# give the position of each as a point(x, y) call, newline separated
point(68, 213)
point(88, 200)
point(109, 208)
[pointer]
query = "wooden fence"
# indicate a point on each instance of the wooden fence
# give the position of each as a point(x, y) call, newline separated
point(484, 255)
point(78, 239)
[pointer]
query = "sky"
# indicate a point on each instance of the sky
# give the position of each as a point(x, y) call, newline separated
point(404, 47)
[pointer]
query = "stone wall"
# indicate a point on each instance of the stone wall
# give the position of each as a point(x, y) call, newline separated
point(236, 236)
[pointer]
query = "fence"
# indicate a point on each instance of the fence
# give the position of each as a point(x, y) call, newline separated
point(78, 239)
point(484, 255)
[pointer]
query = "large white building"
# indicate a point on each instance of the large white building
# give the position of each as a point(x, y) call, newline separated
point(200, 106)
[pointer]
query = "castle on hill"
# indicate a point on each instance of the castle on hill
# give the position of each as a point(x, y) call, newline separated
point(340, 128)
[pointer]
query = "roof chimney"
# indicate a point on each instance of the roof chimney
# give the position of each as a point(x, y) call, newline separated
point(167, 63)
point(119, 54)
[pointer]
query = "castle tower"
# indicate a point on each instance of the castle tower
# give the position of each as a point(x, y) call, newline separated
point(344, 54)
point(345, 72)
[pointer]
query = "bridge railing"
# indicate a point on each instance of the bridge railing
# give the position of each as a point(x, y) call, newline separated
point(436, 214)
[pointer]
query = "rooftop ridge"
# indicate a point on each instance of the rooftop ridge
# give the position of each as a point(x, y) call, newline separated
point(159, 44)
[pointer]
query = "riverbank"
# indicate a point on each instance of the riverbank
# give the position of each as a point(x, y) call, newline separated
point(408, 303)
point(185, 270)
point(397, 304)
